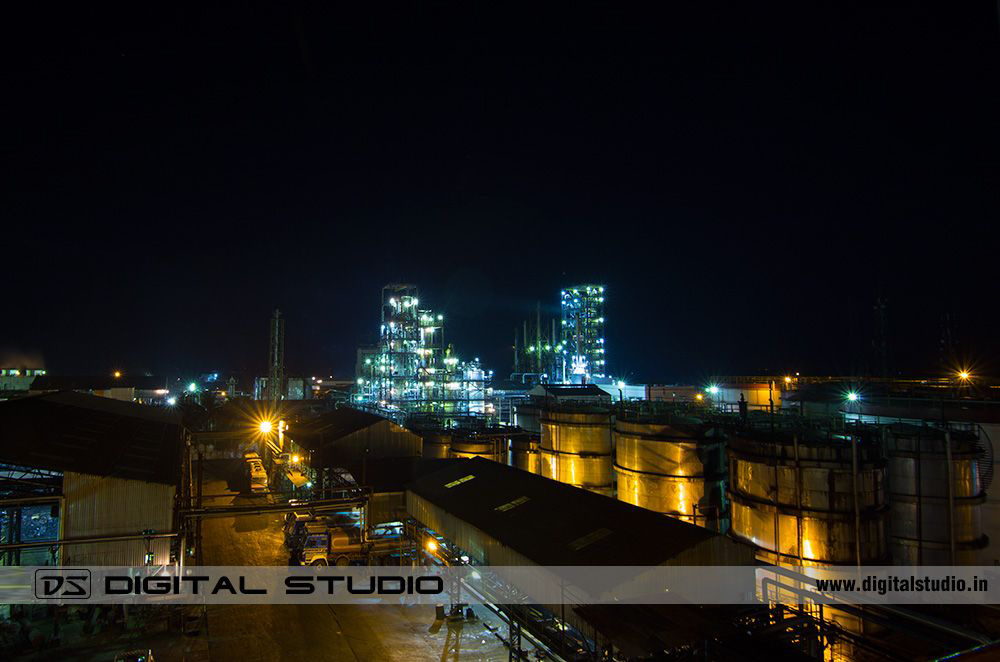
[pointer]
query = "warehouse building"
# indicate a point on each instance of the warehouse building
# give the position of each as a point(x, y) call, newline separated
point(501, 516)
point(96, 478)
point(348, 438)
point(506, 517)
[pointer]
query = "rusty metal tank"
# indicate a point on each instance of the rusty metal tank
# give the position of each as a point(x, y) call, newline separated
point(674, 465)
point(490, 447)
point(795, 497)
point(526, 417)
point(930, 524)
point(524, 452)
point(576, 447)
point(436, 444)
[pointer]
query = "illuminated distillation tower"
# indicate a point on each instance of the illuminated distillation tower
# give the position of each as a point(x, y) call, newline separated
point(412, 369)
point(276, 358)
point(582, 332)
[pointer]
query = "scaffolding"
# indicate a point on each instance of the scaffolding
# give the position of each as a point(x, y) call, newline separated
point(412, 370)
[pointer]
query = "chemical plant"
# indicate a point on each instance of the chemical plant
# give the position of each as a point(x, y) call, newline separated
point(424, 459)
point(412, 370)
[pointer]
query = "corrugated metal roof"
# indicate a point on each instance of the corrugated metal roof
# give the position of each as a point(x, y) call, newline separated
point(551, 523)
point(92, 435)
point(96, 383)
point(335, 424)
point(392, 474)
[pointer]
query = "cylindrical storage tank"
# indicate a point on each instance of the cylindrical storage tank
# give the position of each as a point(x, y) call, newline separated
point(469, 447)
point(526, 417)
point(793, 497)
point(524, 453)
point(436, 444)
point(675, 466)
point(576, 447)
point(923, 527)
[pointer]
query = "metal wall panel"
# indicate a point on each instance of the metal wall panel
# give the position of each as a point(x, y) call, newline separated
point(102, 506)
point(922, 524)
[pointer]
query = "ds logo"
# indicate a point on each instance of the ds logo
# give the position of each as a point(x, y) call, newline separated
point(62, 584)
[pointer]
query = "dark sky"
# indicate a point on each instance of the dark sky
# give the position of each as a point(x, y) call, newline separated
point(745, 181)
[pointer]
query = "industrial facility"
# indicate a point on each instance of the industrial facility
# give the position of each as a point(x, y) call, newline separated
point(413, 370)
point(558, 465)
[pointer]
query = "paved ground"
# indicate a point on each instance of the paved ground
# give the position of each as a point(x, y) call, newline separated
point(313, 632)
point(158, 630)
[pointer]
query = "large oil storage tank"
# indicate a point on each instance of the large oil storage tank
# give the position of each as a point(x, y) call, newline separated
point(524, 452)
point(674, 465)
point(795, 497)
point(489, 446)
point(436, 443)
point(576, 447)
point(930, 524)
point(526, 417)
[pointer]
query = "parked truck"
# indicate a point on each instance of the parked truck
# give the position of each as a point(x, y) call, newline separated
point(324, 544)
point(256, 472)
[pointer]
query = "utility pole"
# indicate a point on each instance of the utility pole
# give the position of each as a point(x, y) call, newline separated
point(881, 340)
point(516, 363)
point(538, 337)
point(276, 360)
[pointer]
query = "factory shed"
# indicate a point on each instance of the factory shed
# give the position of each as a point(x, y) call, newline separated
point(114, 469)
point(348, 437)
point(503, 516)
point(69, 431)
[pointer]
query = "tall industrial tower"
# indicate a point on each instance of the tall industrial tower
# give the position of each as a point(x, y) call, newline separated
point(276, 358)
point(582, 332)
point(412, 369)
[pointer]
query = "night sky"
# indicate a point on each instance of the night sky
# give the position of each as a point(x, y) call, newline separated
point(746, 182)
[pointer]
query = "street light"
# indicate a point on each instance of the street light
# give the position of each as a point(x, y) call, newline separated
point(853, 397)
point(192, 387)
point(713, 389)
point(118, 374)
point(964, 375)
point(265, 427)
point(431, 546)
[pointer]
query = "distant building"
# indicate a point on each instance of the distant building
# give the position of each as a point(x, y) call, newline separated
point(140, 389)
point(97, 477)
point(582, 333)
point(17, 379)
point(296, 388)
